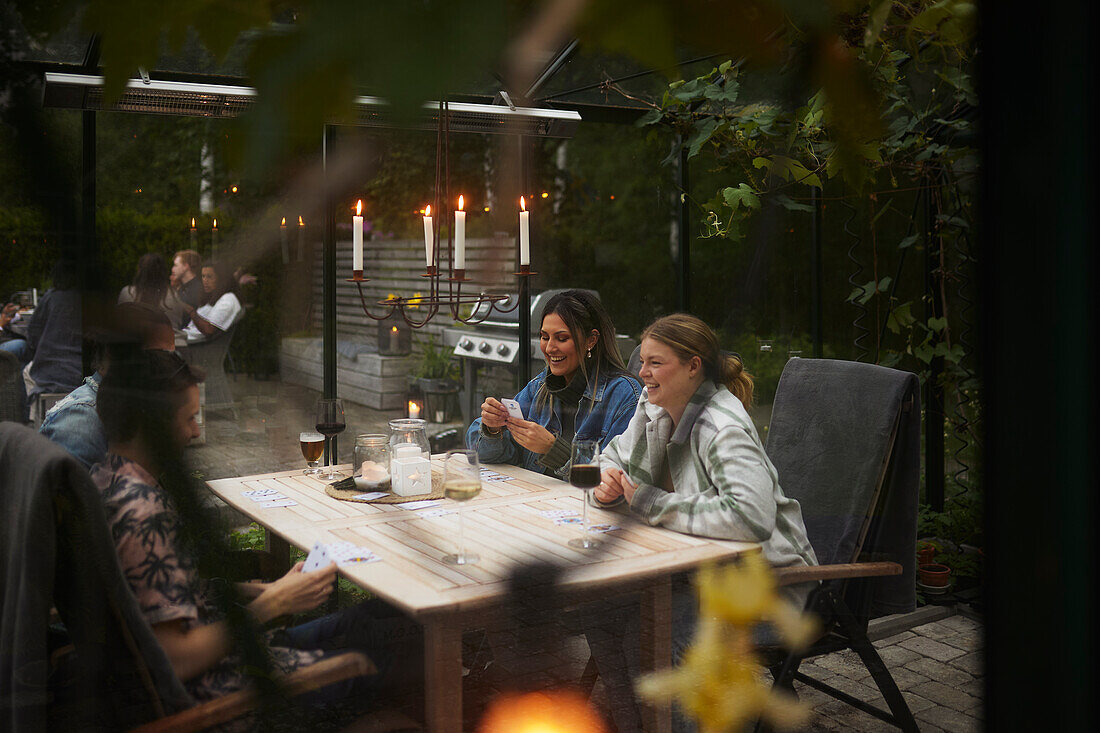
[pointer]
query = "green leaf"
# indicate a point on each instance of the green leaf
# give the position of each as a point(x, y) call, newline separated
point(884, 284)
point(651, 117)
point(900, 318)
point(908, 241)
point(702, 134)
point(876, 20)
point(923, 352)
point(743, 195)
point(937, 324)
point(791, 205)
point(724, 67)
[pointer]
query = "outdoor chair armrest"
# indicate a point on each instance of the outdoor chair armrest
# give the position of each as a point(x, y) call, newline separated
point(235, 704)
point(790, 576)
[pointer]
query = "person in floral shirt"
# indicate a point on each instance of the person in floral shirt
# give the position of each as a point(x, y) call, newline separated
point(148, 406)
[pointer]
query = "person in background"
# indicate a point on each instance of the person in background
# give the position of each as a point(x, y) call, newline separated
point(186, 268)
point(150, 286)
point(148, 403)
point(73, 422)
point(583, 393)
point(220, 308)
point(11, 341)
point(54, 353)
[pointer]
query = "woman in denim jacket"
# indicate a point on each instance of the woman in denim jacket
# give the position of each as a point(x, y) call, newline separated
point(584, 392)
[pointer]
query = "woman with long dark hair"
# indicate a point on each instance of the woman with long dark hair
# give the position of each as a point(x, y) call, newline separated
point(220, 308)
point(150, 287)
point(584, 392)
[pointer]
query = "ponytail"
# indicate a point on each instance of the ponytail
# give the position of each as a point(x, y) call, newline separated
point(731, 372)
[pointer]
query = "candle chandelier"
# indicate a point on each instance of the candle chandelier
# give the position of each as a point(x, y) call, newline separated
point(448, 299)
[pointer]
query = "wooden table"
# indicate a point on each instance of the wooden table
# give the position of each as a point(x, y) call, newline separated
point(504, 526)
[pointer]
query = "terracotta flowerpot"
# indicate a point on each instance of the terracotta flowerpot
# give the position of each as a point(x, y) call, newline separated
point(934, 575)
point(926, 554)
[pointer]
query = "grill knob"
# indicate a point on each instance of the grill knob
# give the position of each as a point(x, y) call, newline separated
point(466, 344)
point(484, 347)
point(503, 350)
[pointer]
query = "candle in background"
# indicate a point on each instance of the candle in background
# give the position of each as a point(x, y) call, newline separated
point(34, 297)
point(357, 239)
point(414, 409)
point(393, 340)
point(194, 235)
point(460, 237)
point(301, 239)
point(429, 236)
point(524, 233)
point(283, 242)
point(214, 239)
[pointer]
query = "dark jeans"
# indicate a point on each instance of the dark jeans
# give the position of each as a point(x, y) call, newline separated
point(393, 642)
point(613, 629)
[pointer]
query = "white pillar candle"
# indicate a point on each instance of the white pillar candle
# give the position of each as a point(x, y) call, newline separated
point(414, 409)
point(429, 236)
point(283, 242)
point(301, 239)
point(194, 235)
point(214, 239)
point(460, 237)
point(524, 234)
point(357, 238)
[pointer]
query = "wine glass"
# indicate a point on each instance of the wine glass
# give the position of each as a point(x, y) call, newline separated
point(461, 482)
point(584, 474)
point(313, 445)
point(330, 423)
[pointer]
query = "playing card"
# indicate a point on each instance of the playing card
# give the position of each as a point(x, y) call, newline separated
point(600, 528)
point(370, 495)
point(558, 513)
point(434, 513)
point(512, 407)
point(279, 503)
point(318, 558)
point(263, 495)
point(414, 505)
point(569, 520)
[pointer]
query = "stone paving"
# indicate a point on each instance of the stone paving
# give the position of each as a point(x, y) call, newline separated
point(937, 665)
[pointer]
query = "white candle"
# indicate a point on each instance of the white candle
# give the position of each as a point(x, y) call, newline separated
point(429, 236)
point(214, 238)
point(524, 234)
point(283, 242)
point(301, 239)
point(414, 409)
point(194, 235)
point(460, 237)
point(357, 238)
point(393, 341)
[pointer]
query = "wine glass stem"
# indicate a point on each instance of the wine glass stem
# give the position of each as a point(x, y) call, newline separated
point(584, 515)
point(461, 539)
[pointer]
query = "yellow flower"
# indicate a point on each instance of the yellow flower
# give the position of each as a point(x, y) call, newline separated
point(414, 302)
point(718, 682)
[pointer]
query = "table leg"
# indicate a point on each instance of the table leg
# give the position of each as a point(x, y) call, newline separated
point(279, 550)
point(656, 647)
point(443, 676)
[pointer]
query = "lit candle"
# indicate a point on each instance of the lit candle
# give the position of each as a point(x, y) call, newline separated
point(301, 239)
point(214, 238)
point(460, 237)
point(357, 238)
point(194, 234)
point(283, 242)
point(393, 339)
point(429, 236)
point(524, 233)
point(414, 409)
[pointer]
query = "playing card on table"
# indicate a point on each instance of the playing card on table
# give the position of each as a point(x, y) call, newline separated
point(600, 528)
point(281, 501)
point(370, 495)
point(424, 504)
point(262, 494)
point(434, 513)
point(568, 520)
point(345, 553)
point(558, 513)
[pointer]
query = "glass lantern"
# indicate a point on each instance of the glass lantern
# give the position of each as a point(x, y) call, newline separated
point(371, 462)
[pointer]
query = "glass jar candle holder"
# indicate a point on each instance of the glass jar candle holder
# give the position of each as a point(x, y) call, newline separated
point(371, 462)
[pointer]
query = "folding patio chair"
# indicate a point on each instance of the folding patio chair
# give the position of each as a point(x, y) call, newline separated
point(56, 550)
point(845, 439)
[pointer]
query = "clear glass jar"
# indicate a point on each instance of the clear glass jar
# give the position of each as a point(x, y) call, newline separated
point(371, 462)
point(407, 432)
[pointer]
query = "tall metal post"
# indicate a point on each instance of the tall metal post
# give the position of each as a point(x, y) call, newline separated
point(683, 249)
point(523, 374)
point(328, 279)
point(816, 275)
point(933, 389)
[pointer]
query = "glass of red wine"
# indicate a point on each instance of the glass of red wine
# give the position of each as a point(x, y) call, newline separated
point(584, 474)
point(330, 423)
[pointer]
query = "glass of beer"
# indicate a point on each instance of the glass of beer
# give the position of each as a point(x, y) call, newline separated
point(313, 445)
point(461, 482)
point(584, 474)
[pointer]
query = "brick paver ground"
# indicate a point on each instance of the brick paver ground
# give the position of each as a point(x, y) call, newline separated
point(937, 665)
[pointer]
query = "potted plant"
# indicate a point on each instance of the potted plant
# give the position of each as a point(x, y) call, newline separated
point(934, 575)
point(436, 375)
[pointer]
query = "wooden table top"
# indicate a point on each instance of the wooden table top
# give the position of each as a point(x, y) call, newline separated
point(503, 525)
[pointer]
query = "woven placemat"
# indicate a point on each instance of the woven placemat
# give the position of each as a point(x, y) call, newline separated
point(390, 498)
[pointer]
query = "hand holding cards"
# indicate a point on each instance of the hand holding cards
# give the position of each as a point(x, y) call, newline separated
point(512, 407)
point(341, 553)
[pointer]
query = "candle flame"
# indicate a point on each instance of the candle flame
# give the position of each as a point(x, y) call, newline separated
point(359, 207)
point(522, 204)
point(300, 222)
point(283, 223)
point(460, 203)
point(428, 210)
point(215, 223)
point(393, 330)
point(192, 222)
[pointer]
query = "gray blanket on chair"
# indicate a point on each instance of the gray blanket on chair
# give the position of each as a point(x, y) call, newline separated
point(830, 431)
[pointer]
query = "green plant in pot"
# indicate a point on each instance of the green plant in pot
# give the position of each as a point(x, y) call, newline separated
point(436, 372)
